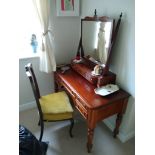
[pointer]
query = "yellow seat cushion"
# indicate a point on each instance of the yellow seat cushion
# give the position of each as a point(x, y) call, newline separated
point(56, 106)
point(56, 117)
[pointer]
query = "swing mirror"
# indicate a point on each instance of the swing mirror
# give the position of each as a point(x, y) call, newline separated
point(96, 37)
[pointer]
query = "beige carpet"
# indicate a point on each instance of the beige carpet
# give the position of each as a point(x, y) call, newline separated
point(60, 142)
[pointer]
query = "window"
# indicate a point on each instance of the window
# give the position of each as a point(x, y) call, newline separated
point(29, 31)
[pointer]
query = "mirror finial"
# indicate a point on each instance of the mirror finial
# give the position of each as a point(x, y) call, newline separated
point(120, 15)
point(95, 13)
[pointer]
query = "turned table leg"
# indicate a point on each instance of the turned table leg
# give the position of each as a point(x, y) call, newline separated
point(118, 122)
point(90, 139)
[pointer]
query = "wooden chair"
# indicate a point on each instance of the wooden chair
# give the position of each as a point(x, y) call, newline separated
point(51, 107)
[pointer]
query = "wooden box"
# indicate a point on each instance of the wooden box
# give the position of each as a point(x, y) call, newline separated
point(85, 68)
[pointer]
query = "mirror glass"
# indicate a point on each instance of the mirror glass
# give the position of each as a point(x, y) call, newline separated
point(96, 39)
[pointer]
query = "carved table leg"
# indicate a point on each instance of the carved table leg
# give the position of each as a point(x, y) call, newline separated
point(118, 122)
point(90, 139)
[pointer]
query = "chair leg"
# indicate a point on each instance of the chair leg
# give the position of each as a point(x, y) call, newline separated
point(71, 127)
point(41, 130)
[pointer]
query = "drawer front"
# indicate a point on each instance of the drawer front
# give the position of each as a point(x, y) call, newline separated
point(60, 82)
point(81, 108)
point(78, 103)
point(72, 94)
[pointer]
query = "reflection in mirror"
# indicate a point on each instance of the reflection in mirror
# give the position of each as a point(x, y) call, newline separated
point(96, 39)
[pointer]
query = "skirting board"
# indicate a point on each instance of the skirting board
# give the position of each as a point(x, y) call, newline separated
point(122, 137)
point(27, 106)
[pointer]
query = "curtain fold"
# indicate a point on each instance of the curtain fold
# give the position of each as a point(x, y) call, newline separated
point(102, 51)
point(47, 58)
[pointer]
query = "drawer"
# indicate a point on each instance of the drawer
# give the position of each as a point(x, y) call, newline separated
point(81, 108)
point(61, 82)
point(69, 90)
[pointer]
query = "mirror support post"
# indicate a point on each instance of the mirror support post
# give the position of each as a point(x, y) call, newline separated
point(95, 14)
point(80, 51)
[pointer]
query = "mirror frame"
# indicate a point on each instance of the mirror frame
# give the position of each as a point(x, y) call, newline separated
point(97, 19)
point(113, 37)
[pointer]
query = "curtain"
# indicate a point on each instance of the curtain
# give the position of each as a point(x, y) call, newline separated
point(102, 51)
point(47, 58)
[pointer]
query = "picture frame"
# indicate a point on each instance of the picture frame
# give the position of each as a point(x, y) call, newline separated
point(67, 7)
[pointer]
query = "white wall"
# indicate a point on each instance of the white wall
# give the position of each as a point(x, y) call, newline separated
point(67, 33)
point(123, 56)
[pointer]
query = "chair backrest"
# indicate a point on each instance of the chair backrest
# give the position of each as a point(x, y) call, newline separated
point(30, 74)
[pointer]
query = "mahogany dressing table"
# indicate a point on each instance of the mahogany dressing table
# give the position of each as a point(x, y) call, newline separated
point(80, 85)
point(94, 108)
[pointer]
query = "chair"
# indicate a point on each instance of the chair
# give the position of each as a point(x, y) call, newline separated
point(51, 107)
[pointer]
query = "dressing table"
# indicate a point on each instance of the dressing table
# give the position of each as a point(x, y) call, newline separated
point(78, 81)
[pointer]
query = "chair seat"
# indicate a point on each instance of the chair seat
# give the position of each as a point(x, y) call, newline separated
point(52, 107)
point(60, 109)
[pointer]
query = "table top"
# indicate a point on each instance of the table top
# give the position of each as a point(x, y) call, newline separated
point(85, 90)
